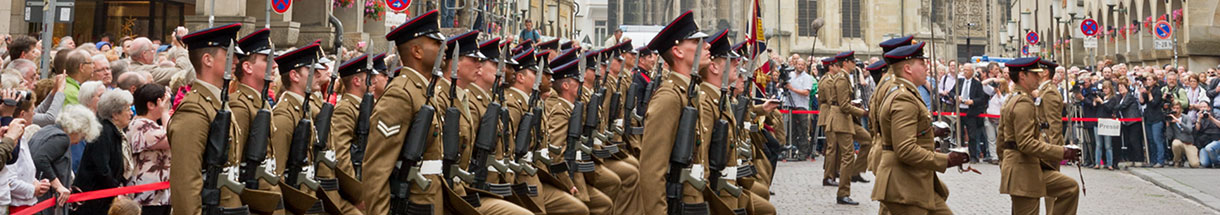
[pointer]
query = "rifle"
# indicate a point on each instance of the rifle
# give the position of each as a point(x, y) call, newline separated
point(321, 150)
point(529, 121)
point(684, 145)
point(253, 165)
point(718, 156)
point(413, 147)
point(629, 103)
point(592, 115)
point(485, 137)
point(216, 150)
point(450, 130)
point(574, 124)
point(361, 137)
point(298, 171)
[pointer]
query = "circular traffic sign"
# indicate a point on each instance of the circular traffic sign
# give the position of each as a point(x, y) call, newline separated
point(281, 6)
point(1025, 50)
point(1163, 30)
point(1088, 27)
point(1031, 37)
point(398, 5)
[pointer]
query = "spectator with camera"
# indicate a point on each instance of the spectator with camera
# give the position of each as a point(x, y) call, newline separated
point(1208, 131)
point(1104, 144)
point(1181, 133)
point(799, 86)
point(1150, 96)
point(1124, 106)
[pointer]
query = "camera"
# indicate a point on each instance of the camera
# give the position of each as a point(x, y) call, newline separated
point(23, 97)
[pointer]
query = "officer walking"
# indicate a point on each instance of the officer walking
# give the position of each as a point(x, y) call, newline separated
point(1022, 150)
point(906, 174)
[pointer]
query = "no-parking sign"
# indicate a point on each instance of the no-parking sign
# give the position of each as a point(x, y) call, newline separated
point(281, 6)
point(1031, 37)
point(1088, 27)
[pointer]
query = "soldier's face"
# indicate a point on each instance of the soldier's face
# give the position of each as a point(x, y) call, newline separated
point(469, 68)
point(687, 50)
point(487, 76)
point(629, 59)
point(615, 65)
point(917, 71)
point(525, 77)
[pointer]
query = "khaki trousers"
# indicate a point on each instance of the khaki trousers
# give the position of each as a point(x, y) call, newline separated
point(1063, 189)
point(905, 209)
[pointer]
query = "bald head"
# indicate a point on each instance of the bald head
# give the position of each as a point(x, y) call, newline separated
point(131, 80)
point(142, 50)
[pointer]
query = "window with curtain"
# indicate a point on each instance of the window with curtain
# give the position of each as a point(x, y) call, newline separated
point(807, 11)
point(851, 18)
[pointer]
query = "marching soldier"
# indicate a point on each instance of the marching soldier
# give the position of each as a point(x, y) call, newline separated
point(550, 197)
point(906, 178)
point(262, 192)
point(296, 69)
point(193, 191)
point(1022, 151)
point(623, 164)
point(559, 110)
point(831, 165)
point(550, 48)
point(843, 124)
point(1050, 113)
point(416, 183)
point(680, 44)
point(886, 78)
point(640, 80)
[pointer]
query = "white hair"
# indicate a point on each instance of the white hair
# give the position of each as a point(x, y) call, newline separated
point(87, 89)
point(78, 119)
point(22, 65)
point(100, 58)
point(112, 102)
point(10, 79)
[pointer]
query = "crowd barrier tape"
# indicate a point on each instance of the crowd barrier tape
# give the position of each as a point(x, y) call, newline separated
point(91, 195)
point(1074, 119)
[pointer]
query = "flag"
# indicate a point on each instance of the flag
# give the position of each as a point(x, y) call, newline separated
point(756, 34)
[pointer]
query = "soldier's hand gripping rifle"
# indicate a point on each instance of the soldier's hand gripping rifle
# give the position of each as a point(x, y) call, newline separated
point(629, 103)
point(489, 131)
point(680, 159)
point(450, 130)
point(216, 149)
point(254, 165)
point(718, 152)
point(406, 169)
point(575, 126)
point(298, 170)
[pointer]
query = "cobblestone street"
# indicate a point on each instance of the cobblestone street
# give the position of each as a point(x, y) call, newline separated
point(798, 191)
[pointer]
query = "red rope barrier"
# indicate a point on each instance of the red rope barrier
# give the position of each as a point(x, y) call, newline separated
point(91, 195)
point(1074, 119)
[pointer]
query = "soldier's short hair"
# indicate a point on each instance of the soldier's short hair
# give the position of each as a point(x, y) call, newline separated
point(78, 119)
point(196, 56)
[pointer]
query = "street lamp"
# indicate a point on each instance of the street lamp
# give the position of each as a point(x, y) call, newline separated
point(553, 10)
point(1026, 18)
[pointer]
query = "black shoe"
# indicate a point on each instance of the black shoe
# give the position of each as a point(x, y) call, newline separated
point(829, 182)
point(772, 192)
point(846, 201)
point(859, 179)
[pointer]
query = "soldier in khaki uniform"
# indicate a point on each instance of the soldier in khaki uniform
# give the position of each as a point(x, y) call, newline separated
point(356, 79)
point(295, 68)
point(550, 197)
point(187, 191)
point(1050, 116)
point(881, 68)
point(246, 102)
point(624, 166)
point(677, 43)
point(559, 110)
point(831, 165)
point(418, 42)
point(1022, 151)
point(906, 175)
point(843, 125)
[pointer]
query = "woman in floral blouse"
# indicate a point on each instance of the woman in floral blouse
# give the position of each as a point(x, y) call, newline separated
point(150, 147)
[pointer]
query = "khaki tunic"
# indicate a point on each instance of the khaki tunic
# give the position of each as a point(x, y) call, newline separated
point(1020, 169)
point(342, 134)
point(662, 122)
point(287, 113)
point(906, 173)
point(1050, 113)
point(245, 103)
point(198, 108)
point(825, 98)
point(884, 88)
point(392, 118)
point(843, 114)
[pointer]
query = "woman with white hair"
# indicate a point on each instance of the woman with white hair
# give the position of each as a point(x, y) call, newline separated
point(106, 162)
point(90, 91)
point(49, 146)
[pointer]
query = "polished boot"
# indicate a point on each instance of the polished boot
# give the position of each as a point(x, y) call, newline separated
point(857, 178)
point(829, 182)
point(846, 201)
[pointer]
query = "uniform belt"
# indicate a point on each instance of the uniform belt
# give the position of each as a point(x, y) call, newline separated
point(1011, 145)
point(500, 189)
point(328, 184)
point(431, 167)
point(887, 148)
